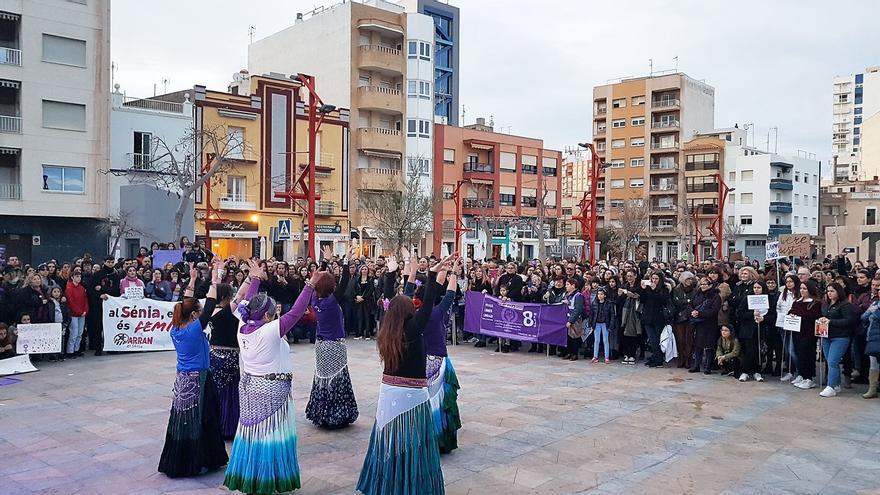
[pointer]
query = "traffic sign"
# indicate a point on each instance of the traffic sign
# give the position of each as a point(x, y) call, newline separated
point(284, 229)
point(715, 244)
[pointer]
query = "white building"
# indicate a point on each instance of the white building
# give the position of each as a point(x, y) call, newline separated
point(419, 97)
point(855, 99)
point(136, 125)
point(54, 106)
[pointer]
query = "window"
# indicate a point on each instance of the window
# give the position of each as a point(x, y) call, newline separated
point(731, 176)
point(745, 198)
point(638, 100)
point(508, 161)
point(507, 196)
point(797, 221)
point(235, 142)
point(421, 166)
point(550, 199)
point(600, 145)
point(745, 220)
point(412, 49)
point(797, 199)
point(640, 183)
point(806, 178)
point(448, 155)
point(529, 197)
point(637, 141)
point(62, 115)
point(815, 178)
point(548, 166)
point(64, 179)
point(617, 203)
point(618, 123)
point(61, 50)
point(424, 50)
point(815, 201)
point(637, 162)
point(236, 188)
point(618, 143)
point(142, 150)
point(530, 164)
point(732, 198)
point(448, 189)
point(418, 49)
point(618, 184)
point(813, 221)
point(637, 121)
point(363, 80)
point(746, 175)
point(418, 89)
point(618, 103)
point(600, 184)
point(418, 128)
point(617, 164)
point(797, 176)
point(870, 216)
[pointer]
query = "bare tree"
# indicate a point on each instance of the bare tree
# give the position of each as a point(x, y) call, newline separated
point(732, 232)
point(118, 226)
point(400, 218)
point(633, 222)
point(176, 167)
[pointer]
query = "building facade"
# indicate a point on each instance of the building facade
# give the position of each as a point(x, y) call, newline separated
point(639, 126)
point(509, 188)
point(240, 213)
point(847, 210)
point(575, 183)
point(54, 132)
point(137, 125)
point(855, 98)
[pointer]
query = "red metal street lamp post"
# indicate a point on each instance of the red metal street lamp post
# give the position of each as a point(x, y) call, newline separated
point(717, 225)
point(588, 215)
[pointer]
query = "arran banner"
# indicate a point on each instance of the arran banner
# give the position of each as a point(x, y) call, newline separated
point(137, 325)
point(526, 322)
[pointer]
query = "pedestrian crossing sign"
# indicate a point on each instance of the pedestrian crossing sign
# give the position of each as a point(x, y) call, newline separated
point(284, 229)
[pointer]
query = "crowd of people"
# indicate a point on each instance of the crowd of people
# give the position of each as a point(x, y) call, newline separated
point(234, 376)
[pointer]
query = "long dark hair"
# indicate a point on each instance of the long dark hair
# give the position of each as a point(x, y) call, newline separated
point(797, 287)
point(183, 311)
point(224, 294)
point(390, 339)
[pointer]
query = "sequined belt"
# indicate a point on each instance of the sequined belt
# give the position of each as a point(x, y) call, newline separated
point(282, 377)
point(402, 381)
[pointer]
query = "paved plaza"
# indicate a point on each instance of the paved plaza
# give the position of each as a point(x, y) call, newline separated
point(532, 424)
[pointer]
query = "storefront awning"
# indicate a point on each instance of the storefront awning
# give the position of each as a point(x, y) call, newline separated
point(382, 154)
point(234, 234)
point(482, 181)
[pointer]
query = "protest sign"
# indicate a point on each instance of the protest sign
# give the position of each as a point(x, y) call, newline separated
point(38, 338)
point(791, 323)
point(795, 245)
point(134, 292)
point(164, 256)
point(759, 302)
point(137, 325)
point(822, 329)
point(771, 250)
point(526, 322)
point(16, 365)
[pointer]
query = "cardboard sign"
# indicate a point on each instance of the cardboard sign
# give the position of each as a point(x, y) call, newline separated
point(822, 329)
point(795, 245)
point(38, 338)
point(791, 323)
point(16, 365)
point(736, 256)
point(134, 292)
point(771, 250)
point(759, 302)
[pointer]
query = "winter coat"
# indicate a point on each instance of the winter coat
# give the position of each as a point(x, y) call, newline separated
point(842, 319)
point(606, 311)
point(631, 314)
point(158, 291)
point(682, 300)
point(871, 320)
point(783, 306)
point(30, 301)
point(728, 348)
point(653, 303)
point(77, 300)
point(748, 327)
point(707, 304)
point(65, 312)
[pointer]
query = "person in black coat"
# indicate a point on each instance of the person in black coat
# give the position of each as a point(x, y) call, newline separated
point(704, 318)
point(655, 298)
point(751, 323)
point(364, 300)
point(103, 282)
point(31, 300)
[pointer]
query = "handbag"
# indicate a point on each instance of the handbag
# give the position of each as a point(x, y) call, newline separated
point(576, 330)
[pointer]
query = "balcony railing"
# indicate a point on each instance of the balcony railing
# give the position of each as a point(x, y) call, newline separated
point(238, 202)
point(379, 89)
point(10, 56)
point(483, 168)
point(705, 209)
point(665, 102)
point(154, 105)
point(601, 110)
point(662, 227)
point(10, 125)
point(664, 146)
point(139, 161)
point(702, 188)
point(387, 50)
point(702, 166)
point(10, 191)
point(664, 166)
point(664, 124)
point(664, 187)
point(325, 207)
point(781, 184)
point(478, 203)
point(663, 207)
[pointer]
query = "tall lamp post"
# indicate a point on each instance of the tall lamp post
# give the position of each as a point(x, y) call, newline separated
point(588, 216)
point(717, 225)
point(306, 180)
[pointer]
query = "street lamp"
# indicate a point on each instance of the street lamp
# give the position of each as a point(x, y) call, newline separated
point(588, 216)
point(717, 225)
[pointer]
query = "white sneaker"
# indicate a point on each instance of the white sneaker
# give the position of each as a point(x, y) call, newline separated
point(837, 389)
point(828, 392)
point(797, 381)
point(806, 384)
point(758, 377)
point(743, 377)
point(786, 378)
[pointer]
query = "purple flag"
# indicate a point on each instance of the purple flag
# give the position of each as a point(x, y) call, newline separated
point(526, 322)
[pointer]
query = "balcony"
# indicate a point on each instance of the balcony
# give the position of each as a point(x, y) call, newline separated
point(659, 146)
point(601, 112)
point(691, 166)
point(237, 202)
point(478, 168)
point(599, 132)
point(779, 229)
point(662, 228)
point(325, 208)
point(665, 124)
point(666, 103)
point(662, 209)
point(379, 179)
point(381, 58)
point(10, 191)
point(139, 161)
point(664, 168)
point(10, 56)
point(478, 204)
point(704, 210)
point(664, 188)
point(10, 125)
point(386, 28)
point(379, 138)
point(380, 98)
point(780, 207)
point(781, 184)
point(703, 188)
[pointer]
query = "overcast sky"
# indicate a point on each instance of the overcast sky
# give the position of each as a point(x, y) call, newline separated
point(532, 64)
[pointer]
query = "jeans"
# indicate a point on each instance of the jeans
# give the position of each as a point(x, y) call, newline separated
point(77, 323)
point(703, 358)
point(601, 335)
point(834, 350)
point(653, 332)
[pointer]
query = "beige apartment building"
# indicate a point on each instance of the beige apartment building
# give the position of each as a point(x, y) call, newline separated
point(639, 125)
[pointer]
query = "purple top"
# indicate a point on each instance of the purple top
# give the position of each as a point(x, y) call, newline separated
point(328, 311)
point(287, 320)
point(435, 331)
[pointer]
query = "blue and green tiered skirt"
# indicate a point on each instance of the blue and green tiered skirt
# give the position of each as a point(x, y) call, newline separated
point(264, 458)
point(443, 392)
point(403, 457)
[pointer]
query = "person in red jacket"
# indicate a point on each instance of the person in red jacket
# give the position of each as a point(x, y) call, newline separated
point(78, 303)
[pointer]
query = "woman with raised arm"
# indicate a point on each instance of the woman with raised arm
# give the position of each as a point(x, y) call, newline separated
point(193, 440)
point(403, 456)
point(264, 458)
point(332, 403)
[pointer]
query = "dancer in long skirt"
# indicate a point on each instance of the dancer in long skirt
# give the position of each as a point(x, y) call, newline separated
point(332, 403)
point(264, 458)
point(224, 355)
point(193, 440)
point(442, 382)
point(403, 457)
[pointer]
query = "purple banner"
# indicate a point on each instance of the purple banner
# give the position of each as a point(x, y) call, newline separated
point(526, 322)
point(163, 256)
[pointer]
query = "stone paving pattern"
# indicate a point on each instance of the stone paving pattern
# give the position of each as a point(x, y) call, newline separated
point(532, 425)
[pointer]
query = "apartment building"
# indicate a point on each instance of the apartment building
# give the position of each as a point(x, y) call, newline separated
point(54, 105)
point(575, 182)
point(855, 100)
point(240, 212)
point(847, 211)
point(446, 56)
point(377, 60)
point(137, 125)
point(509, 189)
point(639, 125)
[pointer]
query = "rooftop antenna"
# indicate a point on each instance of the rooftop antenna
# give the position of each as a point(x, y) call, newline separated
point(651, 67)
point(463, 113)
point(676, 62)
point(491, 121)
point(165, 82)
point(113, 67)
point(251, 31)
